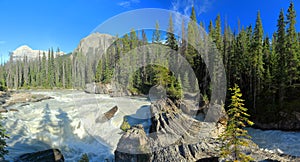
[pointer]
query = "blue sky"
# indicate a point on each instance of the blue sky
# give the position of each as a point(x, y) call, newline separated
point(42, 24)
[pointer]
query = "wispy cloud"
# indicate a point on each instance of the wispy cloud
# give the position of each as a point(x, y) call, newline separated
point(205, 6)
point(185, 6)
point(128, 3)
point(2, 42)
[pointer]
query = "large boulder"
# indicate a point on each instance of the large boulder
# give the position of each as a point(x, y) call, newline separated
point(215, 113)
point(170, 136)
point(175, 136)
point(99, 88)
point(170, 124)
point(133, 146)
point(107, 115)
point(51, 155)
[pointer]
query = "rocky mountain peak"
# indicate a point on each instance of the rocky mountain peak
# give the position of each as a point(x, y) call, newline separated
point(25, 51)
point(94, 44)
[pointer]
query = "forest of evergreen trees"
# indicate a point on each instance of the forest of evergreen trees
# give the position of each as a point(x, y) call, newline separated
point(265, 67)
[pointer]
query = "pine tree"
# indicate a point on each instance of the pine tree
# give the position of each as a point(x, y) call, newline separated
point(133, 39)
point(218, 33)
point(126, 43)
point(235, 136)
point(211, 30)
point(281, 72)
point(98, 76)
point(292, 46)
point(171, 40)
point(183, 43)
point(52, 69)
point(44, 70)
point(267, 64)
point(191, 52)
point(257, 48)
point(156, 34)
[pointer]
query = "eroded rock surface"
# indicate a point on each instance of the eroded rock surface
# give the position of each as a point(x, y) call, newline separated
point(175, 136)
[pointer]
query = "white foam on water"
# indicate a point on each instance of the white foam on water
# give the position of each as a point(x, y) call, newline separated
point(68, 122)
point(286, 142)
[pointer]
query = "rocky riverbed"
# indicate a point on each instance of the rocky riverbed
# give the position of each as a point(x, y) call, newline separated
point(72, 122)
point(10, 98)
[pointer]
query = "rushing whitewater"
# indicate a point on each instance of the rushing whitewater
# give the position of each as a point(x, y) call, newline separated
point(68, 122)
point(277, 141)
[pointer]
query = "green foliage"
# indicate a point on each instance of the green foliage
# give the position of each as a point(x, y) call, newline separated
point(171, 40)
point(292, 44)
point(166, 79)
point(125, 125)
point(84, 158)
point(156, 35)
point(205, 99)
point(191, 52)
point(2, 85)
point(235, 136)
point(257, 59)
point(218, 33)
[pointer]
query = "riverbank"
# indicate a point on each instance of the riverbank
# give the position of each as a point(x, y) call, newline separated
point(69, 122)
point(10, 98)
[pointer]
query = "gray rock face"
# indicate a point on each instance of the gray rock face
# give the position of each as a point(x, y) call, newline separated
point(52, 155)
point(86, 56)
point(98, 88)
point(174, 136)
point(171, 137)
point(215, 113)
point(133, 146)
point(94, 44)
point(170, 125)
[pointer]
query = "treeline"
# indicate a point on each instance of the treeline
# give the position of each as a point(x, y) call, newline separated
point(266, 67)
point(42, 72)
point(137, 65)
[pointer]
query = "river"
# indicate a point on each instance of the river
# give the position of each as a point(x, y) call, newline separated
point(69, 122)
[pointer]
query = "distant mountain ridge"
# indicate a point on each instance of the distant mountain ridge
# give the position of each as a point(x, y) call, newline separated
point(25, 51)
